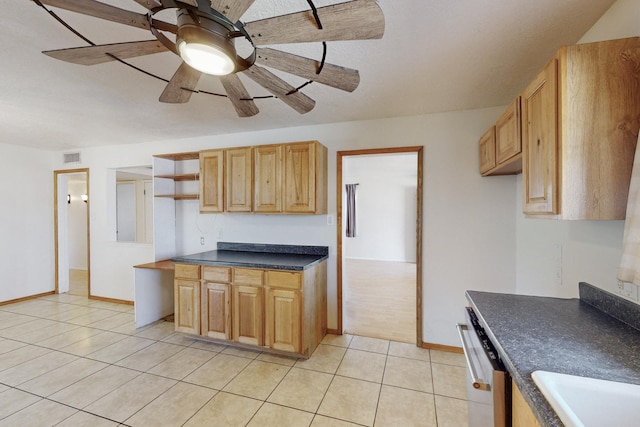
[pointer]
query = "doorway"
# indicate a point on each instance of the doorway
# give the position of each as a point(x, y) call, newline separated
point(71, 229)
point(379, 280)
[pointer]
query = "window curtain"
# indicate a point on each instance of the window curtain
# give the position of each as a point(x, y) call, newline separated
point(629, 270)
point(351, 210)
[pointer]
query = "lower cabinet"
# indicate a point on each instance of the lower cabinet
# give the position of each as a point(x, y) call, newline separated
point(216, 310)
point(284, 319)
point(187, 298)
point(521, 414)
point(247, 315)
point(275, 309)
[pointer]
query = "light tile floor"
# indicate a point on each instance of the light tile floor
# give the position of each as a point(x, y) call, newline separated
point(69, 361)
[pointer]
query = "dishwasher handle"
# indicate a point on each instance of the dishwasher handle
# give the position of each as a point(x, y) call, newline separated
point(477, 383)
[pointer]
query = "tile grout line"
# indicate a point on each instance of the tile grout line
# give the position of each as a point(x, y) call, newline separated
point(165, 340)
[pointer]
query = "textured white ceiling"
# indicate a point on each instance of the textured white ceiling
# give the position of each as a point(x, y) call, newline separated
point(435, 56)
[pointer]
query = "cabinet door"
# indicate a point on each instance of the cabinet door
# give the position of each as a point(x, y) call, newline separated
point(268, 178)
point(540, 142)
point(488, 151)
point(508, 138)
point(284, 319)
point(239, 175)
point(521, 414)
point(187, 306)
point(216, 310)
point(247, 315)
point(211, 181)
point(300, 177)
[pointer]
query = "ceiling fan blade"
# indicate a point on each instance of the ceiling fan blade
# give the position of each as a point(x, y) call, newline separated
point(239, 96)
point(331, 75)
point(149, 4)
point(110, 13)
point(181, 85)
point(283, 90)
point(91, 55)
point(232, 9)
point(353, 20)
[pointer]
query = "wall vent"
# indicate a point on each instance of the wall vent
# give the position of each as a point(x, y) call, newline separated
point(71, 157)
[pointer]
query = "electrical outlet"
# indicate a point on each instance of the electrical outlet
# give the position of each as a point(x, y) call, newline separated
point(220, 232)
point(329, 219)
point(627, 290)
point(202, 240)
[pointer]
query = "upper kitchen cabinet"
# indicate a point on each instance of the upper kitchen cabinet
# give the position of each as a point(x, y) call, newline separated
point(212, 181)
point(540, 115)
point(508, 138)
point(280, 178)
point(239, 179)
point(488, 151)
point(501, 146)
point(305, 178)
point(267, 178)
point(580, 121)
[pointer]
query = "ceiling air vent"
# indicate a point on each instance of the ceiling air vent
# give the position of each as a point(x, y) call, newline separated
point(71, 158)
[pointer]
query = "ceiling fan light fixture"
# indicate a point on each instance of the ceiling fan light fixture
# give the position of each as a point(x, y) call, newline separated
point(204, 45)
point(206, 58)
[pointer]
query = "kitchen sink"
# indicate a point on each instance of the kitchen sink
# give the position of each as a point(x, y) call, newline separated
point(582, 401)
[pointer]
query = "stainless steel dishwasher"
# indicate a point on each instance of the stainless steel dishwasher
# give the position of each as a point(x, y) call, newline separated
point(488, 382)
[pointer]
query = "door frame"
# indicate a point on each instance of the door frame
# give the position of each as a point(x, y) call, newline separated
point(419, 197)
point(56, 174)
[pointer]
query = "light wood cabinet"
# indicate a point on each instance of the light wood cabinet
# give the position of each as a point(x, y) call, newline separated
point(239, 179)
point(501, 145)
point(579, 132)
point(539, 132)
point(488, 151)
point(248, 324)
point(305, 181)
point(508, 137)
point(282, 179)
point(216, 302)
point(268, 179)
point(283, 319)
point(187, 298)
point(521, 414)
point(212, 181)
point(281, 310)
point(216, 310)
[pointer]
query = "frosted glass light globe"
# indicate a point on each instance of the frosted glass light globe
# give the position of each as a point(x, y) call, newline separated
point(206, 58)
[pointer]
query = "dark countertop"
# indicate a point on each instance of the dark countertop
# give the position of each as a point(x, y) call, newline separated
point(568, 336)
point(272, 257)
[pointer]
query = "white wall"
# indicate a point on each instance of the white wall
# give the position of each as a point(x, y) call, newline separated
point(472, 225)
point(590, 251)
point(385, 206)
point(26, 222)
point(469, 221)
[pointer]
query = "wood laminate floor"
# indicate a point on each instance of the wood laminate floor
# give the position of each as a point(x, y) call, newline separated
point(379, 299)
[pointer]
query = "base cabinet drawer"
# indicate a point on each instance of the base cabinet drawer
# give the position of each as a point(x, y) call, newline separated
point(284, 279)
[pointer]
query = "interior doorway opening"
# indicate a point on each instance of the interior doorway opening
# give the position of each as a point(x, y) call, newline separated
point(380, 268)
point(71, 228)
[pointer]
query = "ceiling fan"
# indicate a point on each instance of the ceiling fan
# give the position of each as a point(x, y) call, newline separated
point(205, 38)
